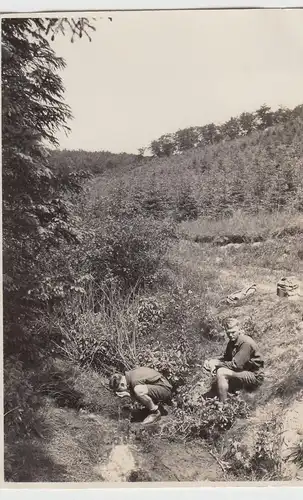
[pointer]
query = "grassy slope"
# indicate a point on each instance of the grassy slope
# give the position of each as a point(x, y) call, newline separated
point(210, 259)
point(76, 445)
point(260, 170)
point(276, 324)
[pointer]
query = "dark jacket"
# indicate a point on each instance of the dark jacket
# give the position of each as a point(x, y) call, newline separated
point(243, 354)
point(145, 375)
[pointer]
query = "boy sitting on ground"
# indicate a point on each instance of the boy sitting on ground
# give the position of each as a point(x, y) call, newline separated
point(145, 385)
point(242, 364)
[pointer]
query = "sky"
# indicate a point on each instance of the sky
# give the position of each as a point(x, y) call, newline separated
point(150, 73)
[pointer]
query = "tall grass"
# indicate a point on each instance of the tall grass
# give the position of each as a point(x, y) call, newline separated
point(124, 333)
point(243, 227)
point(102, 339)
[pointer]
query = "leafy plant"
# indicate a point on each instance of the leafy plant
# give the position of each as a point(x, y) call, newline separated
point(264, 462)
point(296, 454)
point(187, 207)
point(206, 419)
point(150, 314)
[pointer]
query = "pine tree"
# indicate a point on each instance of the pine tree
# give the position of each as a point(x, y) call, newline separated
point(153, 203)
point(35, 214)
point(187, 207)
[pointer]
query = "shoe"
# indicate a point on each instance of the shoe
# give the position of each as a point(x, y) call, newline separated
point(152, 418)
point(163, 410)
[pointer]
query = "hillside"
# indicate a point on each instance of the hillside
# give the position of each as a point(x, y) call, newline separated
point(92, 162)
point(160, 244)
point(81, 423)
point(262, 170)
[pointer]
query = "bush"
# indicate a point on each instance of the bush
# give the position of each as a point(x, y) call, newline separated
point(150, 314)
point(113, 338)
point(264, 462)
point(21, 401)
point(205, 419)
point(121, 252)
point(187, 206)
point(185, 312)
point(173, 362)
point(124, 251)
point(296, 454)
point(104, 340)
point(133, 250)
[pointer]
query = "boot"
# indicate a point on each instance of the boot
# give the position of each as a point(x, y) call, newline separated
point(153, 417)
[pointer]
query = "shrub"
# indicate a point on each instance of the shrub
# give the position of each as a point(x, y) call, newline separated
point(264, 462)
point(173, 362)
point(251, 328)
point(21, 401)
point(184, 311)
point(126, 250)
point(150, 314)
point(205, 419)
point(187, 206)
point(119, 336)
point(296, 454)
point(153, 203)
point(103, 340)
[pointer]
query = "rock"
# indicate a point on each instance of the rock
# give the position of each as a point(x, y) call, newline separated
point(120, 464)
point(288, 287)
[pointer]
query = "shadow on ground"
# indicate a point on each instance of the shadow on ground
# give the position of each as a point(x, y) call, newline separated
point(27, 461)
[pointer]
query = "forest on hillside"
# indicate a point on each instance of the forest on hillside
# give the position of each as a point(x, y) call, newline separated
point(97, 162)
point(261, 170)
point(89, 285)
point(236, 126)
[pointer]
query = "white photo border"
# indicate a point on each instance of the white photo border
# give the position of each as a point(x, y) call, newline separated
point(79, 491)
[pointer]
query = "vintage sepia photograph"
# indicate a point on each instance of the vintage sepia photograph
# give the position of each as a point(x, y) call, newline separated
point(152, 222)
